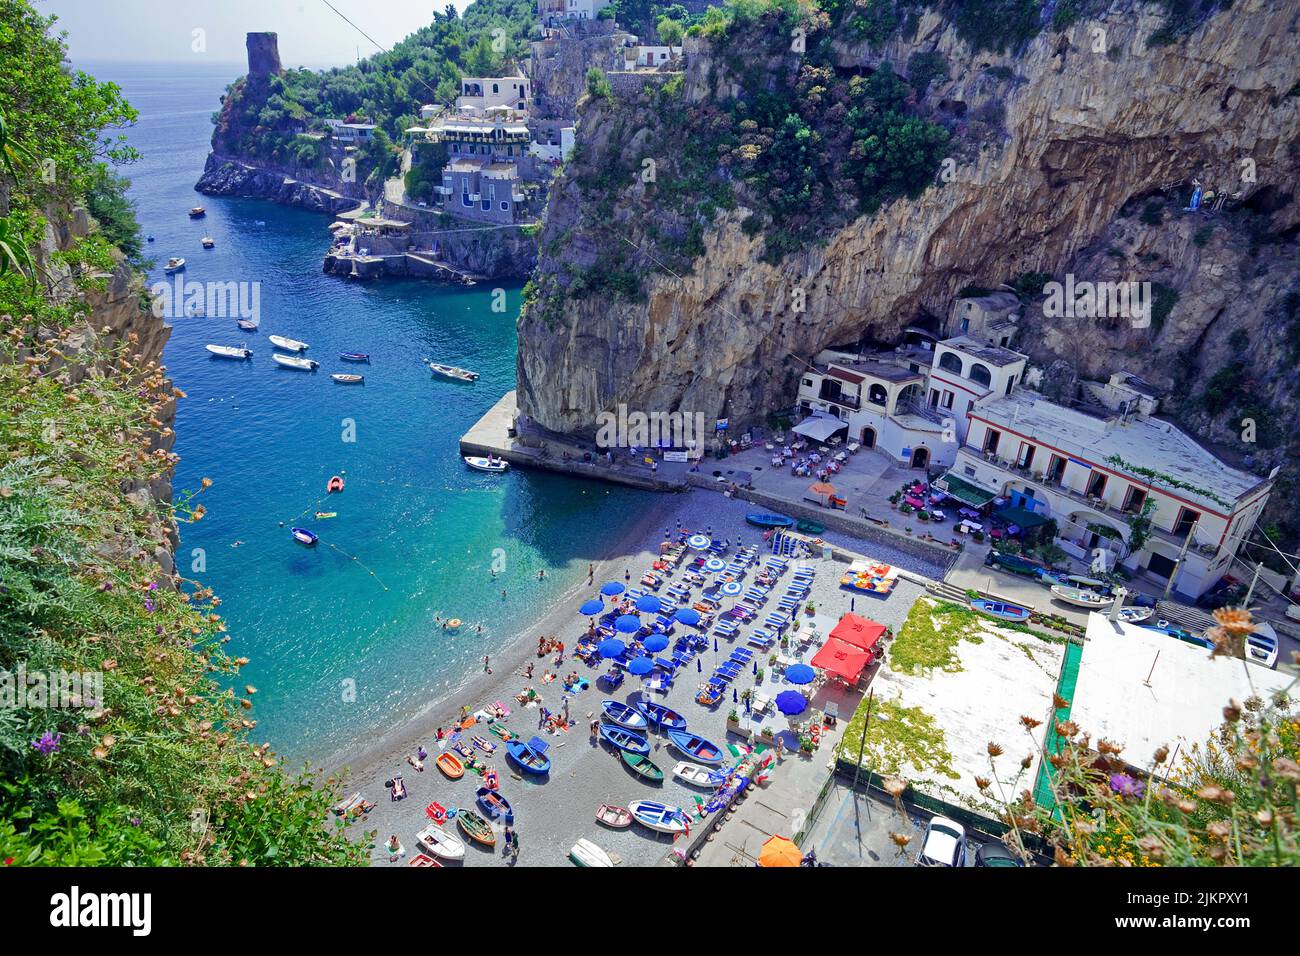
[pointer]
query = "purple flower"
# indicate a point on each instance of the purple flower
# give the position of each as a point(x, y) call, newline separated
point(1126, 786)
point(148, 606)
point(153, 585)
point(48, 744)
point(106, 586)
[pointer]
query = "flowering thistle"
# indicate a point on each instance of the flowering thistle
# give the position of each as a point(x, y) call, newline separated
point(47, 744)
point(1126, 786)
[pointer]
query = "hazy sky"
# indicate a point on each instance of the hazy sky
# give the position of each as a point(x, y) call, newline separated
point(164, 30)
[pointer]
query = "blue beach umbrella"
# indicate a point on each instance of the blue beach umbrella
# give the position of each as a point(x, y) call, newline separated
point(800, 674)
point(611, 648)
point(592, 607)
point(649, 604)
point(655, 642)
point(698, 542)
point(641, 666)
point(687, 615)
point(732, 588)
point(791, 702)
point(610, 588)
point(628, 624)
point(714, 564)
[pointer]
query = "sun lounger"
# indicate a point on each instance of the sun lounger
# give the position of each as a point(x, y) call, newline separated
point(761, 639)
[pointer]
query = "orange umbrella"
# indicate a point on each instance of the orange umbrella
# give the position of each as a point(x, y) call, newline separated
point(778, 851)
point(822, 488)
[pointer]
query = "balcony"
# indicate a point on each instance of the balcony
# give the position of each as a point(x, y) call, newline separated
point(937, 416)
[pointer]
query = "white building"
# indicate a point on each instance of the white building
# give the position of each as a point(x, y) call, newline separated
point(354, 132)
point(1095, 469)
point(966, 372)
point(480, 93)
point(648, 56)
point(550, 11)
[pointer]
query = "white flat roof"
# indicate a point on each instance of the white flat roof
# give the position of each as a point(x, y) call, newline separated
point(1141, 442)
point(1182, 701)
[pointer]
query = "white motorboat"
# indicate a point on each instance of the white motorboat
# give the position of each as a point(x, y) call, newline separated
point(494, 465)
point(695, 775)
point(292, 361)
point(347, 379)
point(1081, 597)
point(1134, 615)
point(452, 372)
point(289, 345)
point(230, 351)
point(208, 242)
point(434, 840)
point(1262, 645)
point(248, 325)
point(174, 264)
point(586, 853)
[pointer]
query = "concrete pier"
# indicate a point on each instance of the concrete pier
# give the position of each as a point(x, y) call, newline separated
point(491, 435)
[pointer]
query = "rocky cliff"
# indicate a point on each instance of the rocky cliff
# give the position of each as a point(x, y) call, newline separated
point(231, 176)
point(1057, 150)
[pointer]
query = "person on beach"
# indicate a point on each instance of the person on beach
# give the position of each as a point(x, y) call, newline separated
point(507, 838)
point(542, 714)
point(627, 574)
point(395, 849)
point(528, 670)
point(421, 753)
point(591, 573)
point(487, 664)
point(514, 850)
point(440, 733)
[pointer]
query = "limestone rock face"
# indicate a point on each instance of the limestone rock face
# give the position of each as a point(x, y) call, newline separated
point(263, 54)
point(226, 176)
point(1074, 142)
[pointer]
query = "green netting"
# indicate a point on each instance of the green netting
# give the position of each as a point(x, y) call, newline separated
point(1064, 689)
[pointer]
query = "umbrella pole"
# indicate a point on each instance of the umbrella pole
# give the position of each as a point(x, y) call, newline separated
point(862, 746)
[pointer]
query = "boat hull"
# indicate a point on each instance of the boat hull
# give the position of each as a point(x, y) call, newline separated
point(1000, 609)
point(450, 766)
point(696, 747)
point(476, 828)
point(624, 739)
point(658, 817)
point(763, 520)
point(1080, 598)
point(494, 805)
point(663, 717)
point(616, 818)
point(642, 766)
point(587, 854)
point(438, 842)
point(527, 759)
point(624, 715)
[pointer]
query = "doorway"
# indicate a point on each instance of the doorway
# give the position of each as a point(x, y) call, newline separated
point(921, 458)
point(868, 438)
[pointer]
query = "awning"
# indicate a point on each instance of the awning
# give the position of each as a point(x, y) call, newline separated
point(1026, 519)
point(841, 659)
point(858, 631)
point(965, 491)
point(820, 427)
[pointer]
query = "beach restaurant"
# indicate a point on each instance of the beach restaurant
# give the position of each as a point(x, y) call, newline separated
point(850, 648)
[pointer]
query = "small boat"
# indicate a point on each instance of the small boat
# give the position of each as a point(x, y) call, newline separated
point(355, 356)
point(174, 264)
point(529, 757)
point(625, 739)
point(475, 827)
point(436, 841)
point(208, 242)
point(809, 527)
point(697, 776)
point(334, 484)
point(586, 853)
point(304, 537)
point(454, 373)
point(662, 717)
point(292, 361)
point(1008, 612)
point(616, 818)
point(343, 379)
point(659, 817)
point(248, 325)
point(289, 345)
point(326, 514)
point(1134, 615)
point(1079, 581)
point(450, 766)
point(763, 520)
point(1049, 577)
point(230, 351)
point(1082, 598)
point(197, 212)
point(495, 806)
point(696, 746)
point(149, 238)
point(424, 860)
point(1012, 563)
point(490, 464)
point(642, 766)
point(624, 715)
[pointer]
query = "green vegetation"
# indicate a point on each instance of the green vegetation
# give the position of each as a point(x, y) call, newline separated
point(899, 739)
point(598, 84)
point(157, 768)
point(1163, 300)
point(930, 635)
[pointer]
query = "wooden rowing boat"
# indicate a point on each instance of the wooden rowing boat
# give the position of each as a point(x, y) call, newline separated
point(475, 827)
point(434, 840)
point(616, 818)
point(642, 766)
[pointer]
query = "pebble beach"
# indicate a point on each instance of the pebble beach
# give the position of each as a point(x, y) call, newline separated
point(553, 812)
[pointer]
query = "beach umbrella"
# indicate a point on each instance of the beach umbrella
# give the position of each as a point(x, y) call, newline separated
point(654, 643)
point(715, 645)
point(592, 607)
point(734, 698)
point(791, 702)
point(641, 666)
point(800, 674)
point(714, 564)
point(732, 588)
point(698, 542)
point(778, 851)
point(611, 648)
point(628, 624)
point(687, 615)
point(610, 588)
point(649, 604)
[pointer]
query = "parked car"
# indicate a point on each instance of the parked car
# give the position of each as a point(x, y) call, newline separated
point(996, 853)
point(1262, 646)
point(944, 844)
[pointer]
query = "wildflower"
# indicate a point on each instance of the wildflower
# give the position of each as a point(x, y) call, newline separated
point(1029, 723)
point(206, 482)
point(106, 586)
point(1027, 761)
point(1161, 755)
point(149, 606)
point(47, 744)
point(1059, 702)
point(1126, 786)
point(994, 749)
point(983, 782)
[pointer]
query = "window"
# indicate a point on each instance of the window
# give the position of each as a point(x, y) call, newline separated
point(807, 383)
point(1134, 499)
point(991, 441)
point(464, 199)
point(1011, 383)
point(1096, 485)
point(934, 398)
point(950, 362)
point(980, 375)
point(1026, 455)
point(1187, 519)
point(877, 395)
point(1055, 468)
point(495, 89)
point(947, 398)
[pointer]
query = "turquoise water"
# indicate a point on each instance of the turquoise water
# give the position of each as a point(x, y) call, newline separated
point(417, 533)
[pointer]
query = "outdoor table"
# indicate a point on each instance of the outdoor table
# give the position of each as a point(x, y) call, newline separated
point(853, 447)
point(842, 456)
point(969, 526)
point(831, 712)
point(937, 515)
point(968, 513)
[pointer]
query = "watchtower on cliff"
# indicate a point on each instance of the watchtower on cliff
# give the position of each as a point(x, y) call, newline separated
point(263, 55)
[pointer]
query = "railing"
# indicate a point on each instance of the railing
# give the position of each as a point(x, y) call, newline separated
point(921, 410)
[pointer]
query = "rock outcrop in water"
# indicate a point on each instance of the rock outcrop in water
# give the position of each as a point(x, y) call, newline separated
point(1079, 142)
point(227, 176)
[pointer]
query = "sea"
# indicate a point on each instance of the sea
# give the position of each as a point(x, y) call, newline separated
point(343, 638)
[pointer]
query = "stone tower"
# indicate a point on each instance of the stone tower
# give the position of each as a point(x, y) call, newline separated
point(263, 55)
